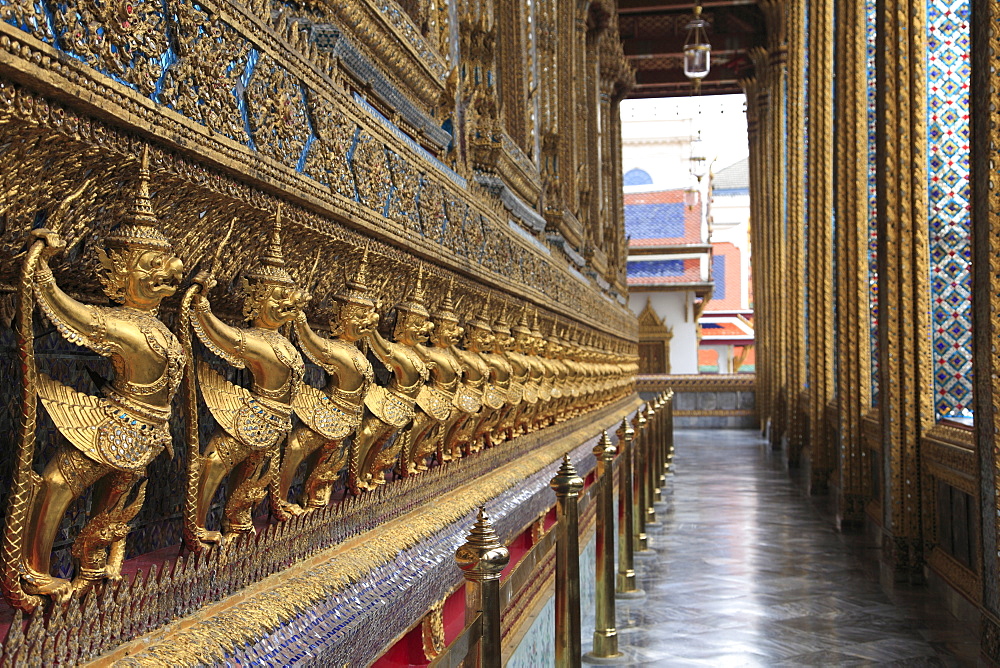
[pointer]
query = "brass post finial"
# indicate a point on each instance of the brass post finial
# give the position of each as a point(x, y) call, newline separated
point(567, 482)
point(604, 449)
point(627, 429)
point(482, 551)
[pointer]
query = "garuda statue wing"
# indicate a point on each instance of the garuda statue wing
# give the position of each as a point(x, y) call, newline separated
point(255, 421)
point(76, 415)
point(322, 414)
point(101, 430)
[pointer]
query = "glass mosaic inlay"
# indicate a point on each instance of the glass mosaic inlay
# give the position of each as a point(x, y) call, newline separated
point(872, 197)
point(948, 74)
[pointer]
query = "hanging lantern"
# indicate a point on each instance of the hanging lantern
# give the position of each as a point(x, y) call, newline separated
point(699, 161)
point(697, 50)
point(691, 196)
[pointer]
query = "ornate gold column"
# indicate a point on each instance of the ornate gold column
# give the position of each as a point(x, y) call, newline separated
point(776, 83)
point(820, 240)
point(905, 387)
point(793, 296)
point(985, 141)
point(759, 257)
point(853, 350)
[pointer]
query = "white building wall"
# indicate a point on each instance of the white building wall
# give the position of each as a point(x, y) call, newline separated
point(677, 311)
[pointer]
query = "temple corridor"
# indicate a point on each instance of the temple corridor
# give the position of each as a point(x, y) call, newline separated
point(750, 572)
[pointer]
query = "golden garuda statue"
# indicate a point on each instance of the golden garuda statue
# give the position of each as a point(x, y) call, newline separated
point(109, 439)
point(251, 424)
point(332, 414)
point(497, 397)
point(390, 408)
point(436, 399)
point(523, 356)
point(476, 371)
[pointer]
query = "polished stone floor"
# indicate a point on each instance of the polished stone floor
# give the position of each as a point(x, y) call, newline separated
point(747, 572)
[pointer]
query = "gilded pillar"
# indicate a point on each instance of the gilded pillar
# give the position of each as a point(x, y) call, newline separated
point(759, 251)
point(774, 15)
point(903, 254)
point(820, 241)
point(984, 143)
point(853, 350)
point(794, 297)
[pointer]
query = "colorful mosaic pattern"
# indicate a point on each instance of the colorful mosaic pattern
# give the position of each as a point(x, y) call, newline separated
point(872, 197)
point(948, 74)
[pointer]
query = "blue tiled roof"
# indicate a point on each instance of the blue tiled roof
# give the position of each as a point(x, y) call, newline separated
point(655, 268)
point(719, 276)
point(654, 221)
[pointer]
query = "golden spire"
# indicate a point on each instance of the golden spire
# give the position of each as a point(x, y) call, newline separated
point(356, 291)
point(272, 266)
point(138, 229)
point(446, 311)
point(415, 304)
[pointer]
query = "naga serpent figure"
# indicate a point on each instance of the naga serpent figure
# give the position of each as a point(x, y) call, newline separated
point(251, 424)
point(469, 398)
point(390, 408)
point(436, 399)
point(332, 414)
point(109, 439)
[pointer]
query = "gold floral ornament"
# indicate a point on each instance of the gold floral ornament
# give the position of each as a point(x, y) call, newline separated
point(251, 424)
point(332, 414)
point(124, 37)
point(109, 439)
point(327, 158)
point(277, 112)
point(391, 408)
point(211, 57)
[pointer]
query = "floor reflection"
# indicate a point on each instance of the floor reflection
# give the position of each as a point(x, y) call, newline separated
point(748, 573)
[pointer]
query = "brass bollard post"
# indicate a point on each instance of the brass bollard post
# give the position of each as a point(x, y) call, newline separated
point(661, 444)
point(639, 487)
point(481, 559)
point(605, 633)
point(649, 464)
point(670, 431)
point(625, 582)
point(654, 457)
point(567, 485)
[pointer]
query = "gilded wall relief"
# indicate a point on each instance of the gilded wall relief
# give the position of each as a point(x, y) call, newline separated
point(371, 171)
point(276, 111)
point(405, 186)
point(211, 59)
point(327, 158)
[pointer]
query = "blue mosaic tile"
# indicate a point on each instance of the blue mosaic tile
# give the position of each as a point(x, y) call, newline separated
point(948, 204)
point(872, 198)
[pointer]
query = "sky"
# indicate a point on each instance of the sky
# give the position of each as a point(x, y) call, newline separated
point(721, 118)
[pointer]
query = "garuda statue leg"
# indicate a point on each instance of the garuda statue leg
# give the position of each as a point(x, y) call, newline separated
point(64, 479)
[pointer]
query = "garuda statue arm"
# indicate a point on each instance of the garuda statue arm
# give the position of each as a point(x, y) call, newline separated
point(75, 321)
point(227, 342)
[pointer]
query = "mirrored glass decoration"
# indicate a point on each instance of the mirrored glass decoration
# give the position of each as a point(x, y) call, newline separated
point(948, 75)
